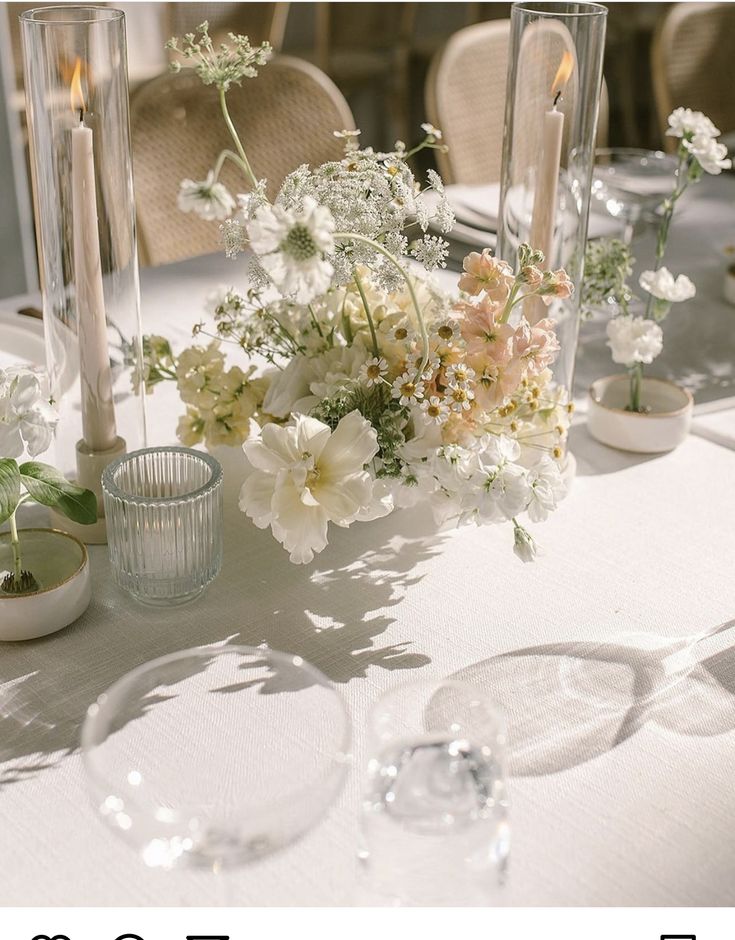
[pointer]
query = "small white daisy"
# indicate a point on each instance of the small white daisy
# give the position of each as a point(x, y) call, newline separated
point(447, 332)
point(434, 410)
point(460, 398)
point(431, 131)
point(460, 374)
point(408, 389)
point(373, 371)
point(401, 334)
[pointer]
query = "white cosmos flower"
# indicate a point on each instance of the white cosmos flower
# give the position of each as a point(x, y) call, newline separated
point(711, 154)
point(291, 247)
point(27, 420)
point(634, 339)
point(547, 489)
point(684, 121)
point(665, 286)
point(305, 476)
point(208, 199)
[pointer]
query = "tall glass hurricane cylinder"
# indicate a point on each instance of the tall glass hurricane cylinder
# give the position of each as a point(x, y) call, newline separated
point(554, 83)
point(77, 103)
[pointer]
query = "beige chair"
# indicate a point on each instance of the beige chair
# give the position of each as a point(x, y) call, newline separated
point(285, 117)
point(258, 21)
point(693, 63)
point(465, 97)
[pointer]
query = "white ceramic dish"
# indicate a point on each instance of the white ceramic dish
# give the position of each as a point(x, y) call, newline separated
point(60, 564)
point(662, 429)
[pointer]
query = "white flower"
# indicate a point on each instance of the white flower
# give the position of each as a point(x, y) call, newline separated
point(305, 476)
point(373, 371)
point(665, 286)
point(431, 131)
point(547, 488)
point(683, 121)
point(27, 420)
point(288, 386)
point(634, 339)
point(408, 389)
point(523, 545)
point(434, 410)
point(460, 397)
point(502, 488)
point(712, 156)
point(291, 247)
point(208, 199)
point(460, 374)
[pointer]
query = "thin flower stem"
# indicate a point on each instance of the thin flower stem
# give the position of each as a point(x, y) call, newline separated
point(636, 374)
point(228, 155)
point(233, 133)
point(663, 229)
point(15, 543)
point(373, 334)
point(315, 321)
point(363, 239)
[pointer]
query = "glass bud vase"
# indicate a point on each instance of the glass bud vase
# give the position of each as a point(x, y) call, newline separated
point(76, 84)
point(554, 84)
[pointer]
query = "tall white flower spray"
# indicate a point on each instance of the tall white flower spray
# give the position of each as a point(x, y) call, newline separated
point(379, 391)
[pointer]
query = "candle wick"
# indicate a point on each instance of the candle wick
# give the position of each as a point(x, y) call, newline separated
point(557, 97)
point(81, 115)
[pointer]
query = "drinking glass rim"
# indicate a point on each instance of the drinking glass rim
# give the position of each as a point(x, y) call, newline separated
point(95, 15)
point(110, 486)
point(591, 9)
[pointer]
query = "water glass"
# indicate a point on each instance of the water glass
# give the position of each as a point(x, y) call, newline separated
point(434, 812)
point(163, 507)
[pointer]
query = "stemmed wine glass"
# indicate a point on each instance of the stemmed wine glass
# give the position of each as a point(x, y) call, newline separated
point(434, 812)
point(214, 757)
point(629, 184)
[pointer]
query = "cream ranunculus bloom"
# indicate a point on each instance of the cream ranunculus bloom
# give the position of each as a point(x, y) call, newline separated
point(305, 476)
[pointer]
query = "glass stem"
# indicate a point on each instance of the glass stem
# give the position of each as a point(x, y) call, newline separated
point(15, 544)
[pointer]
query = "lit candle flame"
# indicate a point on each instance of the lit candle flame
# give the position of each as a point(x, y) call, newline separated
point(566, 67)
point(75, 90)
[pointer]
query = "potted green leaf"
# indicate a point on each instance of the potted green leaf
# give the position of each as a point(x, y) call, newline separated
point(44, 573)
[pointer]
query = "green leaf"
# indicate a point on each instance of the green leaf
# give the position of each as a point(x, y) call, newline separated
point(47, 486)
point(9, 488)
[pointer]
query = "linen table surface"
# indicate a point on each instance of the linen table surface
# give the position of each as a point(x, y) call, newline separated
point(624, 803)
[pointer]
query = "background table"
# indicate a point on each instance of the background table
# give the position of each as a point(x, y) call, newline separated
point(611, 806)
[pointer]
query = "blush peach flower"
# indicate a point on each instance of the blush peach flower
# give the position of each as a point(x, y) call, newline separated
point(482, 272)
point(496, 382)
point(557, 284)
point(483, 332)
point(536, 346)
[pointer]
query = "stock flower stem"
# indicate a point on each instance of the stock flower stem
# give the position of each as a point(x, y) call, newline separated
point(233, 133)
point(373, 334)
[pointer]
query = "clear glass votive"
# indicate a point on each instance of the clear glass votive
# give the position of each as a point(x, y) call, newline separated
point(434, 813)
point(164, 523)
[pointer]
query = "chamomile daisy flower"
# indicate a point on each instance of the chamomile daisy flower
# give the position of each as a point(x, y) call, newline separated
point(408, 389)
point(434, 410)
point(373, 371)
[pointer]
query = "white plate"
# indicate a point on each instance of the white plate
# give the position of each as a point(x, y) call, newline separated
point(21, 341)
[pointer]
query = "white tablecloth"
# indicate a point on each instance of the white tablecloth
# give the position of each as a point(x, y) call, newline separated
point(630, 805)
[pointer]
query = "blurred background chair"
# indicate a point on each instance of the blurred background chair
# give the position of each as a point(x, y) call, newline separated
point(260, 22)
point(465, 97)
point(178, 132)
point(693, 64)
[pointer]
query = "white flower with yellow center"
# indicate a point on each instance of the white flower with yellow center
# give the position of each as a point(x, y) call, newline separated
point(209, 199)
point(373, 371)
point(305, 476)
point(460, 374)
point(460, 397)
point(408, 389)
point(434, 410)
point(291, 248)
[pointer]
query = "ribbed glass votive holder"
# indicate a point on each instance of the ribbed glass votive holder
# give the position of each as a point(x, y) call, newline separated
point(164, 523)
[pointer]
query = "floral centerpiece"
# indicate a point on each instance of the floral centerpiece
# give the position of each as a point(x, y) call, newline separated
point(636, 339)
point(368, 388)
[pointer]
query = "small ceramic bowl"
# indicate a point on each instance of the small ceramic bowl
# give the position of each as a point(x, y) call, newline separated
point(60, 565)
point(661, 429)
